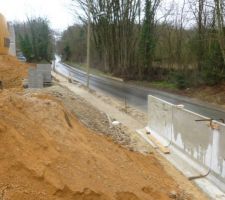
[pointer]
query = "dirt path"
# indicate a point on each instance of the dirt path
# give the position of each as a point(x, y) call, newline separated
point(133, 119)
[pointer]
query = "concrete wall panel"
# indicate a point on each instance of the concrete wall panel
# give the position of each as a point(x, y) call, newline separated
point(160, 117)
point(35, 78)
point(192, 137)
point(45, 69)
point(12, 48)
point(219, 150)
point(195, 139)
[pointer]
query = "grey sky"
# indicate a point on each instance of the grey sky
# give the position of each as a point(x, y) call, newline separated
point(56, 11)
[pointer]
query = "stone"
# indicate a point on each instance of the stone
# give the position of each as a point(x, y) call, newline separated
point(173, 195)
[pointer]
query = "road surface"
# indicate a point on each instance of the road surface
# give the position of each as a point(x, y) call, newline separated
point(137, 96)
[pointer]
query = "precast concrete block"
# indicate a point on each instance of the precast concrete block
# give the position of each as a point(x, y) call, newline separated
point(45, 69)
point(194, 135)
point(35, 78)
point(160, 117)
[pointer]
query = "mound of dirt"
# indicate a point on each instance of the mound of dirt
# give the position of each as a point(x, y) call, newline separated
point(46, 153)
point(12, 72)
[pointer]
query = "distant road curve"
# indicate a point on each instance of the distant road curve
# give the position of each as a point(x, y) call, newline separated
point(137, 96)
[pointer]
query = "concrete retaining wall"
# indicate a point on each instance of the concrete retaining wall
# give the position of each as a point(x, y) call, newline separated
point(196, 139)
point(39, 76)
point(45, 69)
point(12, 47)
point(35, 78)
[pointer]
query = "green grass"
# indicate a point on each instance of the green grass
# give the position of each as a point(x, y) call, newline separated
point(156, 84)
point(94, 71)
point(164, 84)
point(83, 67)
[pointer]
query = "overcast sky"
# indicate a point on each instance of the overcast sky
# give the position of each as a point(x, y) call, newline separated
point(57, 11)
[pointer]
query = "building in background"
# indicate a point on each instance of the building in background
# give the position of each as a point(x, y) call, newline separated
point(7, 37)
point(12, 37)
point(4, 36)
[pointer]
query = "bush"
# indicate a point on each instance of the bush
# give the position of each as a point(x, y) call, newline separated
point(35, 39)
point(179, 78)
point(213, 76)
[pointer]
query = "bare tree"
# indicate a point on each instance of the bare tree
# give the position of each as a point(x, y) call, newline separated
point(220, 12)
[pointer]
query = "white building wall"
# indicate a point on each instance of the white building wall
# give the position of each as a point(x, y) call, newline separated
point(12, 48)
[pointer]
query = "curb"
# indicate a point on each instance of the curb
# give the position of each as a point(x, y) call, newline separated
point(103, 76)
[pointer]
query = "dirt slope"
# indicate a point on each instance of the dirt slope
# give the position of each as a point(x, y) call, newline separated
point(12, 71)
point(46, 153)
point(215, 94)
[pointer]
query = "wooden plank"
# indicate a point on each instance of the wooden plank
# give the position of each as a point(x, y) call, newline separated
point(162, 148)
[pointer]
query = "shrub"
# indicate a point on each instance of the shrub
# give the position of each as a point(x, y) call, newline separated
point(180, 79)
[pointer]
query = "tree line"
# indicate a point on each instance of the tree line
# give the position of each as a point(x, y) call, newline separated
point(35, 39)
point(152, 40)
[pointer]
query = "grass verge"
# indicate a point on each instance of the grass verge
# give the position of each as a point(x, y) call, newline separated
point(163, 85)
point(93, 71)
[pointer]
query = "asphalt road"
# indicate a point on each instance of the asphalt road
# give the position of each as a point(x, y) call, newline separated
point(137, 96)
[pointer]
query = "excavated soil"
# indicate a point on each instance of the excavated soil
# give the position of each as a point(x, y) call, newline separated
point(12, 72)
point(95, 120)
point(53, 145)
point(47, 153)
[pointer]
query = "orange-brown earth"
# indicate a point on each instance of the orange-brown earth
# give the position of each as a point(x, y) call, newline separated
point(46, 153)
point(12, 71)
